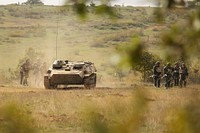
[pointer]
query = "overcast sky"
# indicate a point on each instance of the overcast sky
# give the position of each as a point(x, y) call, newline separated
point(59, 2)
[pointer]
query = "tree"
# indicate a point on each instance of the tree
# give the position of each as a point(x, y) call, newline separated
point(34, 2)
point(145, 64)
point(81, 8)
point(134, 56)
point(92, 4)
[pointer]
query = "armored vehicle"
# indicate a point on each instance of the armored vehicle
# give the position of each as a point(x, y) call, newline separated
point(64, 72)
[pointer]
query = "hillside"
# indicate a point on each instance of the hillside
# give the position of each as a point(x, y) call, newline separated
point(95, 39)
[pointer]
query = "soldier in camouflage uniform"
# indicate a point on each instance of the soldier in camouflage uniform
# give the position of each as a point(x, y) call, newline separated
point(183, 75)
point(157, 74)
point(24, 72)
point(44, 68)
point(176, 74)
point(168, 70)
point(21, 75)
point(37, 72)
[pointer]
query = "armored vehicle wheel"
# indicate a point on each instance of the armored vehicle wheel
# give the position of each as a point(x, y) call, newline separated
point(47, 83)
point(90, 82)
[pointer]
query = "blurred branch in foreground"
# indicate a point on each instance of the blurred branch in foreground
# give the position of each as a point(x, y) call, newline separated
point(120, 117)
point(81, 7)
point(15, 120)
point(183, 40)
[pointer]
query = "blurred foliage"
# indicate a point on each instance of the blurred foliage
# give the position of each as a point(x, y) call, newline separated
point(185, 119)
point(34, 2)
point(183, 43)
point(171, 3)
point(122, 119)
point(15, 120)
point(194, 71)
point(135, 56)
point(82, 7)
point(105, 9)
point(147, 60)
point(159, 15)
point(131, 53)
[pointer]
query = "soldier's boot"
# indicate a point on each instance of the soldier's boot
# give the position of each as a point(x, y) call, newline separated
point(166, 86)
point(21, 81)
point(25, 82)
point(158, 83)
point(181, 83)
point(176, 82)
point(169, 84)
point(155, 83)
point(185, 83)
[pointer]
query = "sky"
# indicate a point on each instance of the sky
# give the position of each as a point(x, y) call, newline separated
point(60, 2)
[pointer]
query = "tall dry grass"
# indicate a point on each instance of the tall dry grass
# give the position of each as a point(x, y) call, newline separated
point(135, 109)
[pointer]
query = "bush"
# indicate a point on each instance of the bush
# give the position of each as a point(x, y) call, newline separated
point(19, 33)
point(15, 120)
point(194, 73)
point(7, 77)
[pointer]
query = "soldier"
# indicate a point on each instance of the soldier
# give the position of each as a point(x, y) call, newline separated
point(183, 75)
point(168, 75)
point(24, 71)
point(21, 75)
point(36, 72)
point(176, 74)
point(157, 74)
point(44, 68)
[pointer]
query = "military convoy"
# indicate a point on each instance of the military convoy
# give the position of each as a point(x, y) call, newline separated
point(64, 72)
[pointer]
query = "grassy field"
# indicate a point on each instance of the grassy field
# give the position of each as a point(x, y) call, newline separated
point(62, 111)
point(95, 40)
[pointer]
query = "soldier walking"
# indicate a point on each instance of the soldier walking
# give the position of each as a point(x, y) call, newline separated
point(21, 75)
point(176, 74)
point(24, 72)
point(157, 74)
point(43, 68)
point(183, 75)
point(168, 75)
point(37, 72)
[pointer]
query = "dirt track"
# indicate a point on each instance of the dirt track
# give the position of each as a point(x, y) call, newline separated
point(34, 89)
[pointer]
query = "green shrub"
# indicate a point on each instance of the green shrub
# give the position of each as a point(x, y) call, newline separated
point(14, 119)
point(119, 117)
point(19, 33)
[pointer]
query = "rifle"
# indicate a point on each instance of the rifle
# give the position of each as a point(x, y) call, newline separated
point(153, 76)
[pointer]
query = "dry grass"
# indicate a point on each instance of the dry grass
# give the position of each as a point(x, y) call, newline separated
point(65, 110)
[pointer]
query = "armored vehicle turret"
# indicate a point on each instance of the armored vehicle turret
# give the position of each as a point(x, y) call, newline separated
point(64, 72)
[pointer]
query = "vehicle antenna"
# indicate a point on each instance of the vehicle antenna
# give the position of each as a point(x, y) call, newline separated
point(58, 18)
